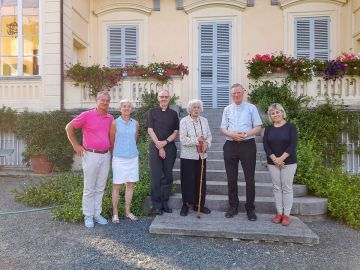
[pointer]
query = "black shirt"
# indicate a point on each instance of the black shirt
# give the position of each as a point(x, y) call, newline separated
point(164, 123)
point(278, 140)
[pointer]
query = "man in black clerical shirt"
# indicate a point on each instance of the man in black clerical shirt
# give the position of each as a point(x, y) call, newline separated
point(163, 127)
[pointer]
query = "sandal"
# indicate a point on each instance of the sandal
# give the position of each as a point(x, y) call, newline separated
point(132, 217)
point(115, 219)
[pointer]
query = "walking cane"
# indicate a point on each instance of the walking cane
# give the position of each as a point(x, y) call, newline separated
point(201, 180)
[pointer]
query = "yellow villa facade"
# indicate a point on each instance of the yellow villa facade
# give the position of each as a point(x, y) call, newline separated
point(214, 38)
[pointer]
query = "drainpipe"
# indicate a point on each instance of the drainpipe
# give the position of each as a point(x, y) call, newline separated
point(61, 54)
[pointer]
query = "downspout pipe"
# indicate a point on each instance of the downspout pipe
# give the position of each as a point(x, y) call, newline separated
point(62, 55)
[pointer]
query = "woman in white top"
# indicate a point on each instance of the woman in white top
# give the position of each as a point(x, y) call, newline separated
point(195, 138)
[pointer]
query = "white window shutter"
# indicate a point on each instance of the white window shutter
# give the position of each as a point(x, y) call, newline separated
point(115, 47)
point(302, 38)
point(223, 69)
point(131, 47)
point(321, 39)
point(312, 38)
point(206, 63)
point(123, 45)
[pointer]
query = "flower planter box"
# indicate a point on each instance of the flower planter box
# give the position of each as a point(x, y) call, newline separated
point(173, 72)
point(135, 72)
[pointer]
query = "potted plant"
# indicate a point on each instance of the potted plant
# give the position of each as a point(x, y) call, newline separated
point(47, 146)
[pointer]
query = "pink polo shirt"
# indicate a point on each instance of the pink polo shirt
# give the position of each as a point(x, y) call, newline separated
point(95, 129)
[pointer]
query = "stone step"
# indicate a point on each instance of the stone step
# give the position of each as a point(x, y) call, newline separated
point(236, 228)
point(218, 146)
point(262, 189)
point(307, 206)
point(219, 154)
point(220, 175)
point(218, 164)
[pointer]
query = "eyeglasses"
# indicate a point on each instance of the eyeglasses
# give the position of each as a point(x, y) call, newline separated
point(164, 97)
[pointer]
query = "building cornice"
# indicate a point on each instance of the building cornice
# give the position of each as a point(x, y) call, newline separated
point(287, 3)
point(235, 4)
point(123, 6)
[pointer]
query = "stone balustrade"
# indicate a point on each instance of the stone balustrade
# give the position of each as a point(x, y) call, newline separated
point(346, 89)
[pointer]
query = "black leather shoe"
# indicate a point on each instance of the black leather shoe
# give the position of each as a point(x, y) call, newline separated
point(184, 210)
point(157, 211)
point(231, 212)
point(251, 214)
point(167, 209)
point(203, 209)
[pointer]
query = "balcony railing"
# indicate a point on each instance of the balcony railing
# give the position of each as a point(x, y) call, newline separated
point(347, 89)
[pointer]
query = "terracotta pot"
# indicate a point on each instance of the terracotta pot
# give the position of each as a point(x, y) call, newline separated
point(137, 72)
point(39, 164)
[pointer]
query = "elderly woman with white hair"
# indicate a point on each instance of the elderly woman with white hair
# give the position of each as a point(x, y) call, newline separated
point(125, 163)
point(280, 140)
point(195, 139)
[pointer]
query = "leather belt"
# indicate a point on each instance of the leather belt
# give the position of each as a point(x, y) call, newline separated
point(96, 151)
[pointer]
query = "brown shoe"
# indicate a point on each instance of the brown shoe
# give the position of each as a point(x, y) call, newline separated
point(277, 219)
point(286, 220)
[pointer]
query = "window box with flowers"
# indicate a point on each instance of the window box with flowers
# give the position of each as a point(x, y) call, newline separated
point(295, 69)
point(97, 78)
point(303, 69)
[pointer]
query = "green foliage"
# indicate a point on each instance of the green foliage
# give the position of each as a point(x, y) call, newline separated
point(65, 193)
point(341, 190)
point(324, 124)
point(45, 133)
point(267, 92)
point(8, 119)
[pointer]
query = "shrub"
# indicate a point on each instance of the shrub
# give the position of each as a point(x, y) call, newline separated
point(65, 193)
point(44, 133)
point(341, 190)
point(8, 119)
point(267, 92)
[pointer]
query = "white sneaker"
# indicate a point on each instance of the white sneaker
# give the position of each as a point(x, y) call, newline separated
point(101, 220)
point(89, 222)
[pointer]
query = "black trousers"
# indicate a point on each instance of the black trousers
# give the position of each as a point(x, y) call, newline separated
point(161, 174)
point(190, 171)
point(245, 152)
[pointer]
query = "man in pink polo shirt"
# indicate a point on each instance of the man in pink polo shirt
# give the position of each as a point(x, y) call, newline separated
point(95, 153)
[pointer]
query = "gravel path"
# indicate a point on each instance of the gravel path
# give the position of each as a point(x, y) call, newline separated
point(35, 241)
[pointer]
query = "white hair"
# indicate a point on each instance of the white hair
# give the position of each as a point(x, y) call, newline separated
point(276, 106)
point(192, 103)
point(124, 101)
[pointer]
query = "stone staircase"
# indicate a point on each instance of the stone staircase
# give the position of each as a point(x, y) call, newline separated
point(217, 199)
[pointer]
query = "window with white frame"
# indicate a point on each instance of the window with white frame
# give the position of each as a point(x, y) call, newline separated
point(19, 37)
point(312, 38)
point(123, 45)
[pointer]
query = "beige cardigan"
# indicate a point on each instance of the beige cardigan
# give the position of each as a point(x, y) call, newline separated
point(189, 139)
